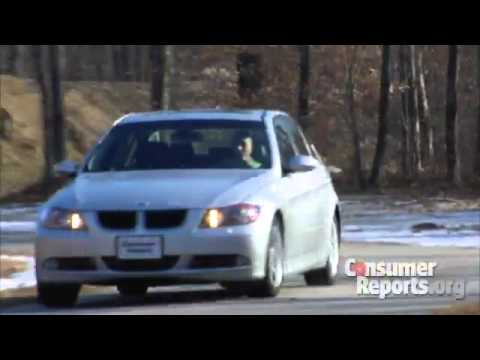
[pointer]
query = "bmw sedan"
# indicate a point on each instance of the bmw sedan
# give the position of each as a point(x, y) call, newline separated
point(238, 198)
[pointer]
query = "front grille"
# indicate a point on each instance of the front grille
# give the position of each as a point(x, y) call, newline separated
point(165, 219)
point(163, 264)
point(118, 220)
point(218, 262)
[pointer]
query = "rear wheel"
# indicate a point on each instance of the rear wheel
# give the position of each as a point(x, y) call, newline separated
point(132, 290)
point(58, 296)
point(327, 276)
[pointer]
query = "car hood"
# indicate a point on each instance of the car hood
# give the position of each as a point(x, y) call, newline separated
point(161, 190)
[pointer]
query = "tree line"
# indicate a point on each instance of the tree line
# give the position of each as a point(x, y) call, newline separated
point(418, 148)
point(157, 64)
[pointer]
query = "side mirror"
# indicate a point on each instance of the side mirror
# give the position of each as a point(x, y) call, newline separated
point(334, 170)
point(299, 164)
point(67, 168)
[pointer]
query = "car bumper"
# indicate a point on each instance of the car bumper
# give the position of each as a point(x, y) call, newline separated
point(243, 274)
point(247, 244)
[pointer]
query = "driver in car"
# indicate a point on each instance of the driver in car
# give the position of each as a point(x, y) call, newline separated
point(246, 147)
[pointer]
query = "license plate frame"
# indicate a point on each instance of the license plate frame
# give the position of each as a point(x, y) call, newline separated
point(137, 248)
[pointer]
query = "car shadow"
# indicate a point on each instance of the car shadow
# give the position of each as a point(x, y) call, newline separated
point(159, 298)
point(166, 297)
point(162, 297)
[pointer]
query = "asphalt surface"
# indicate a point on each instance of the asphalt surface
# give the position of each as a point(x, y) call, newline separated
point(296, 298)
point(454, 263)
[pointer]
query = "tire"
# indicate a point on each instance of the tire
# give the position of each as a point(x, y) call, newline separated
point(270, 287)
point(327, 276)
point(235, 289)
point(133, 290)
point(58, 296)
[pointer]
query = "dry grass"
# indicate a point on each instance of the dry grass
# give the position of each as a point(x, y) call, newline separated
point(25, 293)
point(8, 267)
point(462, 310)
point(90, 109)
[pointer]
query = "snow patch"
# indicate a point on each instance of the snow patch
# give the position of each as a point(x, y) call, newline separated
point(18, 227)
point(457, 229)
point(22, 280)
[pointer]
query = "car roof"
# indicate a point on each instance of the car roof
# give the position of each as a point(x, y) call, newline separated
point(192, 115)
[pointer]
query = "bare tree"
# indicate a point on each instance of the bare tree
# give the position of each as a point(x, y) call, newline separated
point(98, 61)
point(138, 63)
point(170, 64)
point(405, 126)
point(118, 65)
point(109, 52)
point(22, 68)
point(158, 61)
point(427, 131)
point(8, 58)
point(304, 85)
point(351, 58)
point(47, 71)
point(62, 54)
point(74, 66)
point(453, 160)
point(477, 167)
point(57, 104)
point(145, 63)
point(415, 137)
point(131, 55)
point(250, 77)
point(383, 118)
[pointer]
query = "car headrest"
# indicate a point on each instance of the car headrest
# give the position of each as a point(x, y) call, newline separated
point(182, 150)
point(222, 153)
point(153, 148)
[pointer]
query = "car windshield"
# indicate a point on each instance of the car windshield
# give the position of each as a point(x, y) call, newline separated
point(182, 145)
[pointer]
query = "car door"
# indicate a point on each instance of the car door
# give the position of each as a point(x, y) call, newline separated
point(318, 202)
point(297, 208)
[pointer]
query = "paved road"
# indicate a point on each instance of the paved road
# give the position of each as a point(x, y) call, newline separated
point(368, 219)
point(296, 298)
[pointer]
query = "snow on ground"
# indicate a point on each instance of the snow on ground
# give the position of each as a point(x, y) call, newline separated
point(18, 226)
point(433, 239)
point(377, 222)
point(18, 219)
point(21, 280)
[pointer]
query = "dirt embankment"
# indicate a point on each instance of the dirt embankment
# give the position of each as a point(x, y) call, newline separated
point(10, 266)
point(90, 109)
point(462, 310)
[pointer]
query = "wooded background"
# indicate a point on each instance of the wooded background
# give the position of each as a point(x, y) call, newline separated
point(385, 114)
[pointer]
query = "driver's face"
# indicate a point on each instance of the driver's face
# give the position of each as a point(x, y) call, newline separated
point(246, 146)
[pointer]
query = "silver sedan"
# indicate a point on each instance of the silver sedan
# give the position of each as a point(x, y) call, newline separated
point(239, 198)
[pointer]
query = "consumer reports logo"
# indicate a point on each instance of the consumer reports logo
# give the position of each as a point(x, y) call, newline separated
point(386, 279)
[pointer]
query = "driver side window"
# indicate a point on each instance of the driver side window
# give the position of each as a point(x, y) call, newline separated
point(299, 139)
point(285, 144)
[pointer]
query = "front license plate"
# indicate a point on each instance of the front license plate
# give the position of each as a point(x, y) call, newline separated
point(140, 248)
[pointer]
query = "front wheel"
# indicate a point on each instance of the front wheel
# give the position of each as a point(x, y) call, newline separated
point(270, 287)
point(327, 276)
point(58, 296)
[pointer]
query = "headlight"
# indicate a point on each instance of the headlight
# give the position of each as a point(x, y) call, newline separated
point(242, 214)
point(60, 219)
